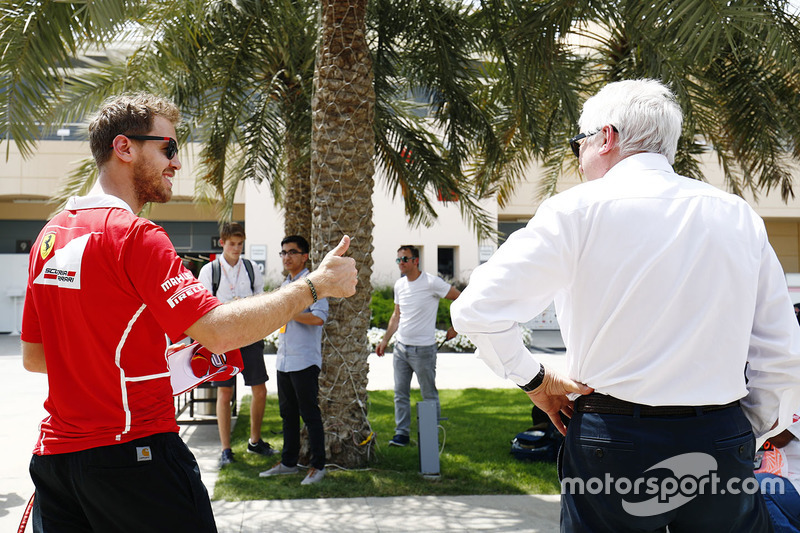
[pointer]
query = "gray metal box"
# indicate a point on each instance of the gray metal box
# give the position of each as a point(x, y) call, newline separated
point(428, 424)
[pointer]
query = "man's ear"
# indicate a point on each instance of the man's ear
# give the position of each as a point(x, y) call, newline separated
point(121, 147)
point(610, 140)
point(222, 242)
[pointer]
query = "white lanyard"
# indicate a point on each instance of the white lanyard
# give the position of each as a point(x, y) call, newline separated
point(232, 284)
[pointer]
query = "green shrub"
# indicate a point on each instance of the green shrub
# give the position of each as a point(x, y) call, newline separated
point(443, 314)
point(381, 307)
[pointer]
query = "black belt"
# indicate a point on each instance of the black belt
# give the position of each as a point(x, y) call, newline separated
point(608, 405)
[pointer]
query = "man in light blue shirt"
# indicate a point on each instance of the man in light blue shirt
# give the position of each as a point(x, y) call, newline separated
point(298, 365)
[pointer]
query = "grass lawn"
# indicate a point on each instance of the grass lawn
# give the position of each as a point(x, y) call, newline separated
point(475, 459)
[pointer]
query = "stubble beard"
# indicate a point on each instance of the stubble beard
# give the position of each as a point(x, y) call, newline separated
point(147, 184)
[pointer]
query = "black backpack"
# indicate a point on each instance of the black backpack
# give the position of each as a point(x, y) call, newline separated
point(540, 442)
point(216, 271)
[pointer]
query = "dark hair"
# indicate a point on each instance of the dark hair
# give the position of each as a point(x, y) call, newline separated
point(130, 114)
point(298, 240)
point(411, 248)
point(231, 229)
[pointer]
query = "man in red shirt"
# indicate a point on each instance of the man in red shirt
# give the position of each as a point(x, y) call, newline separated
point(104, 288)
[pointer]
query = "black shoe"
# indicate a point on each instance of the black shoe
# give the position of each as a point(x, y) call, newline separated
point(399, 440)
point(226, 458)
point(261, 448)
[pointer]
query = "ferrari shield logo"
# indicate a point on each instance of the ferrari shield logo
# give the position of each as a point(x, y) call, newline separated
point(48, 243)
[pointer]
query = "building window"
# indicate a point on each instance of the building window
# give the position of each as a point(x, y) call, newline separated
point(447, 262)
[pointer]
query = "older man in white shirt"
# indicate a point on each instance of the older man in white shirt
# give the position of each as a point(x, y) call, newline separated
point(681, 342)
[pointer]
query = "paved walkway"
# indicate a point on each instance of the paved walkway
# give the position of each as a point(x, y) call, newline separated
point(21, 411)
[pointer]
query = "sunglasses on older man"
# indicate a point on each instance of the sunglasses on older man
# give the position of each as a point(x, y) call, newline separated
point(403, 259)
point(575, 142)
point(172, 145)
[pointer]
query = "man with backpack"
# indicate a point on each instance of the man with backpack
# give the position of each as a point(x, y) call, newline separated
point(230, 277)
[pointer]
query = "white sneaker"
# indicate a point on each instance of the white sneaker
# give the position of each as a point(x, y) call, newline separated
point(279, 469)
point(314, 476)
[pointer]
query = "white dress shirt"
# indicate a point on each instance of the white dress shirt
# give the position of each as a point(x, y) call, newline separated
point(665, 287)
point(233, 280)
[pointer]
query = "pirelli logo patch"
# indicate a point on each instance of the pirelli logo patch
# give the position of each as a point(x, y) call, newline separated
point(184, 293)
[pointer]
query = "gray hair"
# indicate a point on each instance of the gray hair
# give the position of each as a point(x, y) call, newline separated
point(645, 112)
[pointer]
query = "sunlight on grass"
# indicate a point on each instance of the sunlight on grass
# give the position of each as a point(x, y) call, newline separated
point(476, 460)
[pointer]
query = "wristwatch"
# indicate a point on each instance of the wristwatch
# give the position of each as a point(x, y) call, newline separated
point(535, 382)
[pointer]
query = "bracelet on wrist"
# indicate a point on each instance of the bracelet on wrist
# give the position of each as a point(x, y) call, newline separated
point(313, 290)
point(535, 382)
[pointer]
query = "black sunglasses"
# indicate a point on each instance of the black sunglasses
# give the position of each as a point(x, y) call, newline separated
point(403, 259)
point(576, 145)
point(172, 144)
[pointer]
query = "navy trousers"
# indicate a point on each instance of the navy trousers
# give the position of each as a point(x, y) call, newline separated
point(630, 473)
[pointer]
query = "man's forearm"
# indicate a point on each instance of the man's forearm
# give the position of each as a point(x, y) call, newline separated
point(248, 320)
point(33, 357)
point(309, 319)
point(391, 327)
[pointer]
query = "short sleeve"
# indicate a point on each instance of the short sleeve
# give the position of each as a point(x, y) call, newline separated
point(440, 286)
point(31, 331)
point(320, 309)
point(173, 295)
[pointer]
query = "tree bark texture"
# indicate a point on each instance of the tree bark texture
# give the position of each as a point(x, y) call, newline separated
point(297, 196)
point(342, 168)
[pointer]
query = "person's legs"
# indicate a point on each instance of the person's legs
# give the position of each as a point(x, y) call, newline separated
point(56, 507)
point(255, 376)
point(782, 501)
point(224, 395)
point(306, 386)
point(423, 362)
point(402, 390)
point(290, 415)
point(257, 406)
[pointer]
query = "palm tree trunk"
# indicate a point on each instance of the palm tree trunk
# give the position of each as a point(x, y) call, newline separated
point(342, 150)
point(297, 201)
point(297, 197)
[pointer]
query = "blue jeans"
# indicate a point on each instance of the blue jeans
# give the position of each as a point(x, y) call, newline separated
point(784, 509)
point(700, 467)
point(407, 361)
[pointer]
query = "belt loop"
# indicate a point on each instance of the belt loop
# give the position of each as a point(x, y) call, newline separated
point(699, 410)
point(637, 411)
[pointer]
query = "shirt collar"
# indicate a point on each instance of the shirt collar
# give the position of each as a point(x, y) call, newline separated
point(298, 276)
point(96, 201)
point(638, 162)
point(227, 266)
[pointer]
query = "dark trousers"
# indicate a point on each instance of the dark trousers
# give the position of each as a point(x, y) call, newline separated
point(629, 473)
point(149, 484)
point(298, 395)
